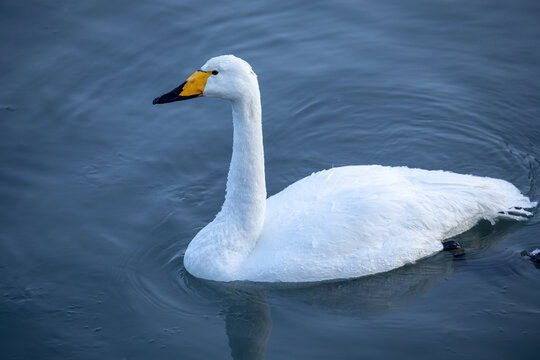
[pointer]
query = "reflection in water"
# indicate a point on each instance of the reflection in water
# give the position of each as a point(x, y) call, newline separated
point(248, 324)
point(248, 321)
point(246, 306)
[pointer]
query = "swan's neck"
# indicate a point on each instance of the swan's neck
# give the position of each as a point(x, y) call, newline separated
point(245, 201)
point(218, 250)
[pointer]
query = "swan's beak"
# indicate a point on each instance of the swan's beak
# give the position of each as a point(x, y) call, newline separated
point(191, 88)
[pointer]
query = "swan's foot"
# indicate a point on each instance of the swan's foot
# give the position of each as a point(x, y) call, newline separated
point(454, 247)
point(534, 256)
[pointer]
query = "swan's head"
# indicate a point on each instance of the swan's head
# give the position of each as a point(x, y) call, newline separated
point(226, 77)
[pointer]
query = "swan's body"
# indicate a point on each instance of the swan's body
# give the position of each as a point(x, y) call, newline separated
point(338, 223)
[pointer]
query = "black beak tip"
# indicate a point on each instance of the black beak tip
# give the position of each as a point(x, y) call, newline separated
point(155, 101)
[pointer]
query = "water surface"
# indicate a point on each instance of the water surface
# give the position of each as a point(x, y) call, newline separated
point(99, 190)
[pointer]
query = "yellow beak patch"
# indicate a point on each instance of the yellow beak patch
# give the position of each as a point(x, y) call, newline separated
point(195, 83)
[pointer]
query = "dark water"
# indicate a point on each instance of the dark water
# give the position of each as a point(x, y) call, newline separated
point(99, 189)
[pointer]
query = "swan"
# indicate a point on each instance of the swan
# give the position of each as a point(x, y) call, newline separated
point(339, 223)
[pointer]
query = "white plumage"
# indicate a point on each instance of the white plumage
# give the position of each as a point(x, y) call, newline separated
point(359, 220)
point(339, 223)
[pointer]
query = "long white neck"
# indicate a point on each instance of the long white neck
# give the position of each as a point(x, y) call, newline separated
point(219, 249)
point(245, 201)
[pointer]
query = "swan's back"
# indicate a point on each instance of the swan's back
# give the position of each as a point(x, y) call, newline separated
point(359, 220)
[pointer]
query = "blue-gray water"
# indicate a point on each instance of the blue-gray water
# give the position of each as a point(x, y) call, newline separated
point(99, 189)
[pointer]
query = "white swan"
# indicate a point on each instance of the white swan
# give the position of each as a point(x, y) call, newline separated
point(339, 223)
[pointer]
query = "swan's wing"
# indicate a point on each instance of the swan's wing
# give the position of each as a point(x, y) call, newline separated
point(359, 220)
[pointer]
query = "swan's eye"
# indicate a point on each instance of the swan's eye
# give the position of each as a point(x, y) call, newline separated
point(215, 72)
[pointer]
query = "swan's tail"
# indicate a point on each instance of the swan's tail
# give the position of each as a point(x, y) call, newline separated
point(514, 213)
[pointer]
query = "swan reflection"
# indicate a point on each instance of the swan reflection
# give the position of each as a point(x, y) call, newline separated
point(246, 307)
